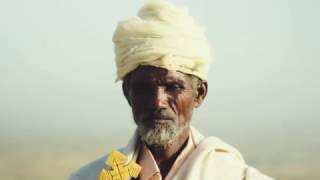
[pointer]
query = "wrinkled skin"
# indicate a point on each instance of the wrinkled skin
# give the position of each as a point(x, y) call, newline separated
point(162, 103)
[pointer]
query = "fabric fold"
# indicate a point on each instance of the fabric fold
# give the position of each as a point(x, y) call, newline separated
point(162, 35)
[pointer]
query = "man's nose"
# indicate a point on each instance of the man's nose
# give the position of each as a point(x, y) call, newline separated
point(160, 99)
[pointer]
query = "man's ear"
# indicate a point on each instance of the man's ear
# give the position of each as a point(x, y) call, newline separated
point(125, 90)
point(202, 91)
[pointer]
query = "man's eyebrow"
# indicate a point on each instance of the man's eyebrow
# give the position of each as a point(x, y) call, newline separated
point(176, 80)
point(140, 83)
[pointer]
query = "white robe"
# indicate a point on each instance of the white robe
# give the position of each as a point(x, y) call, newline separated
point(211, 160)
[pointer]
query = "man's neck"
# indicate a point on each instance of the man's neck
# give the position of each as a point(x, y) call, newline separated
point(166, 155)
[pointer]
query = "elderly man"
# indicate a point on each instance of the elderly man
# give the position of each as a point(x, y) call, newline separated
point(163, 58)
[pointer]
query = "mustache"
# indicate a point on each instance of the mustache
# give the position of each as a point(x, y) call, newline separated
point(158, 114)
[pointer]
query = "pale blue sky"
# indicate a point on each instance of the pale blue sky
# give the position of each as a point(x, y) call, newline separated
point(57, 67)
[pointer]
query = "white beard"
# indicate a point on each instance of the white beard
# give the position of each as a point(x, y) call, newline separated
point(161, 134)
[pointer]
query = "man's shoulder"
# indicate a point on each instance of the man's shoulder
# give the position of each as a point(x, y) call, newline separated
point(222, 155)
point(90, 170)
point(215, 146)
point(93, 169)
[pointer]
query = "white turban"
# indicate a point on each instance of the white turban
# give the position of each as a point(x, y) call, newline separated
point(162, 35)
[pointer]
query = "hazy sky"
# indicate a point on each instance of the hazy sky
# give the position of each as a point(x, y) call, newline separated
point(57, 67)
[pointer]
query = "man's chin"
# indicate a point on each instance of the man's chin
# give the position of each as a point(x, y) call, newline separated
point(158, 135)
point(161, 134)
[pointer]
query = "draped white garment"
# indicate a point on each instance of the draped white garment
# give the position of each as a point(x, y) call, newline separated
point(211, 160)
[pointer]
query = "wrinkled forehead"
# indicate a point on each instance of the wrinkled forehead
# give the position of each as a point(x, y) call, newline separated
point(158, 75)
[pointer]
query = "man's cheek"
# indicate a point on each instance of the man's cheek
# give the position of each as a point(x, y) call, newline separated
point(185, 111)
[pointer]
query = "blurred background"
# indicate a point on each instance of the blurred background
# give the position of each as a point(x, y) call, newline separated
point(61, 108)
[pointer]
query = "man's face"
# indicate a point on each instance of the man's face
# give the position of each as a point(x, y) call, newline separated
point(162, 103)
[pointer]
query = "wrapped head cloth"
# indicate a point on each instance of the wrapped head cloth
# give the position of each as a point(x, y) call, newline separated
point(162, 35)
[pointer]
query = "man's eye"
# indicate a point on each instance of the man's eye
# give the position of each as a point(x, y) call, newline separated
point(141, 89)
point(174, 87)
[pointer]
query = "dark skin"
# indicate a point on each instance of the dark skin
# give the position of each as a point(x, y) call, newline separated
point(157, 95)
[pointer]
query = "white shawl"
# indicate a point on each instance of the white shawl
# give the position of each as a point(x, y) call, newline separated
point(211, 160)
